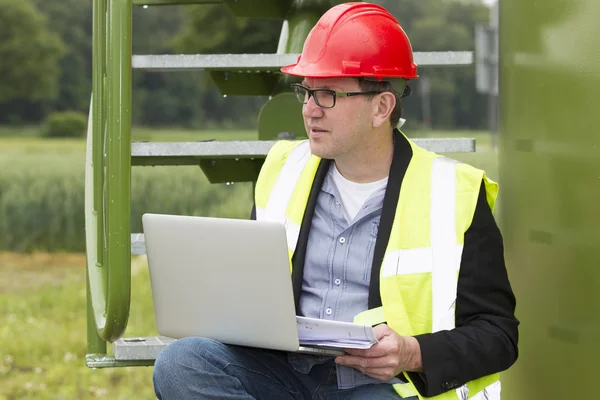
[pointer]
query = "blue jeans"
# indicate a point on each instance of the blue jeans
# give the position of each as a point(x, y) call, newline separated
point(199, 368)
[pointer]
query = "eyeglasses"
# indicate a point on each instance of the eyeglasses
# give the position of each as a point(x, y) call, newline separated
point(325, 98)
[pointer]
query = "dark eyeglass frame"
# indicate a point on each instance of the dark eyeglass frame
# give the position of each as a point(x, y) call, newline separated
point(334, 94)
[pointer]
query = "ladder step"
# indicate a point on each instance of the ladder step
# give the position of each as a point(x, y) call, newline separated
point(140, 348)
point(192, 153)
point(138, 244)
point(189, 153)
point(269, 62)
point(206, 149)
point(174, 2)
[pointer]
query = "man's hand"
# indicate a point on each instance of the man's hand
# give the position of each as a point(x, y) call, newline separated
point(392, 355)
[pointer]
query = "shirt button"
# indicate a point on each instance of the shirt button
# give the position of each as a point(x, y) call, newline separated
point(328, 311)
point(342, 240)
point(338, 281)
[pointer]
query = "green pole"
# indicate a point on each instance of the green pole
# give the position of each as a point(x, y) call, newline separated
point(109, 266)
point(95, 343)
point(118, 170)
point(99, 71)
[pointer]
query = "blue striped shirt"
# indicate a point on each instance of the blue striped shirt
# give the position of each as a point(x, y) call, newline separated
point(337, 269)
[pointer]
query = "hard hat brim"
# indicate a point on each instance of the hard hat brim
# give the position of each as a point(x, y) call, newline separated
point(296, 70)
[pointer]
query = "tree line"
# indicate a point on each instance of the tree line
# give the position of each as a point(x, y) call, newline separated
point(46, 61)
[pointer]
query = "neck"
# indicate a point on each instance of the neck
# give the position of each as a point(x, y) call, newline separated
point(369, 163)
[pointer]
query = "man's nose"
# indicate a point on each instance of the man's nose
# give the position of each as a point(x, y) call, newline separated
point(311, 109)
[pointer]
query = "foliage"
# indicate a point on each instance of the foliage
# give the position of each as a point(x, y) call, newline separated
point(434, 25)
point(29, 53)
point(226, 33)
point(42, 192)
point(191, 99)
point(164, 99)
point(43, 208)
point(72, 21)
point(65, 124)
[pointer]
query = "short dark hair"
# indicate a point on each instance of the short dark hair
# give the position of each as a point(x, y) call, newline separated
point(384, 86)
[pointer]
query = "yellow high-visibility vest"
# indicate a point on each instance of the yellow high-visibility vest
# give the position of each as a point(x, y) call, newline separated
point(419, 273)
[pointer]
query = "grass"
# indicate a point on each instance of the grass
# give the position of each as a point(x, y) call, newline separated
point(20, 131)
point(42, 206)
point(42, 186)
point(42, 295)
point(43, 331)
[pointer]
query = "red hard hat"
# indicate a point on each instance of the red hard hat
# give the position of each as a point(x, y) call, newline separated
point(356, 39)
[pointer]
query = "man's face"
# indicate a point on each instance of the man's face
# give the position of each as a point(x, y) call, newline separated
point(343, 129)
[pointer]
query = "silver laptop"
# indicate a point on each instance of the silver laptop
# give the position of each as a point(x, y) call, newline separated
point(225, 279)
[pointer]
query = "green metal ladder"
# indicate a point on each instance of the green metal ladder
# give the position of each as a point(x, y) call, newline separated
point(110, 154)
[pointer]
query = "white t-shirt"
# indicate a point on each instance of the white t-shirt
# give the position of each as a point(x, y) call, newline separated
point(354, 195)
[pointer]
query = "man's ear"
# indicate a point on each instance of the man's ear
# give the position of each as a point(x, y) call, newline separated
point(383, 105)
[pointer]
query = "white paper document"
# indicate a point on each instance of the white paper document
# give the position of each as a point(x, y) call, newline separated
point(320, 332)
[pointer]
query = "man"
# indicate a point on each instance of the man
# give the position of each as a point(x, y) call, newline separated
point(380, 231)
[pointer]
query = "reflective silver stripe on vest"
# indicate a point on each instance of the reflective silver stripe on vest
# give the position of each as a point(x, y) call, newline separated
point(406, 262)
point(442, 259)
point(292, 232)
point(443, 242)
point(282, 191)
point(413, 261)
point(491, 392)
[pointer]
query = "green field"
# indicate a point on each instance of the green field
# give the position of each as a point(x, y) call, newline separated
point(42, 188)
point(43, 334)
point(42, 295)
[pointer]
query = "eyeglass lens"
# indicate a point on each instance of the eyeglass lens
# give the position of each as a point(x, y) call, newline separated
point(323, 98)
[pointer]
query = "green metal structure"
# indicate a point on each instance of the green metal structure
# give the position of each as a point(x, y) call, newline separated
point(111, 154)
point(550, 193)
point(109, 150)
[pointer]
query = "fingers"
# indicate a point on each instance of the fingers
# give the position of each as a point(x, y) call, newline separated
point(380, 368)
point(383, 360)
point(359, 362)
point(381, 331)
point(381, 374)
point(375, 351)
point(387, 346)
